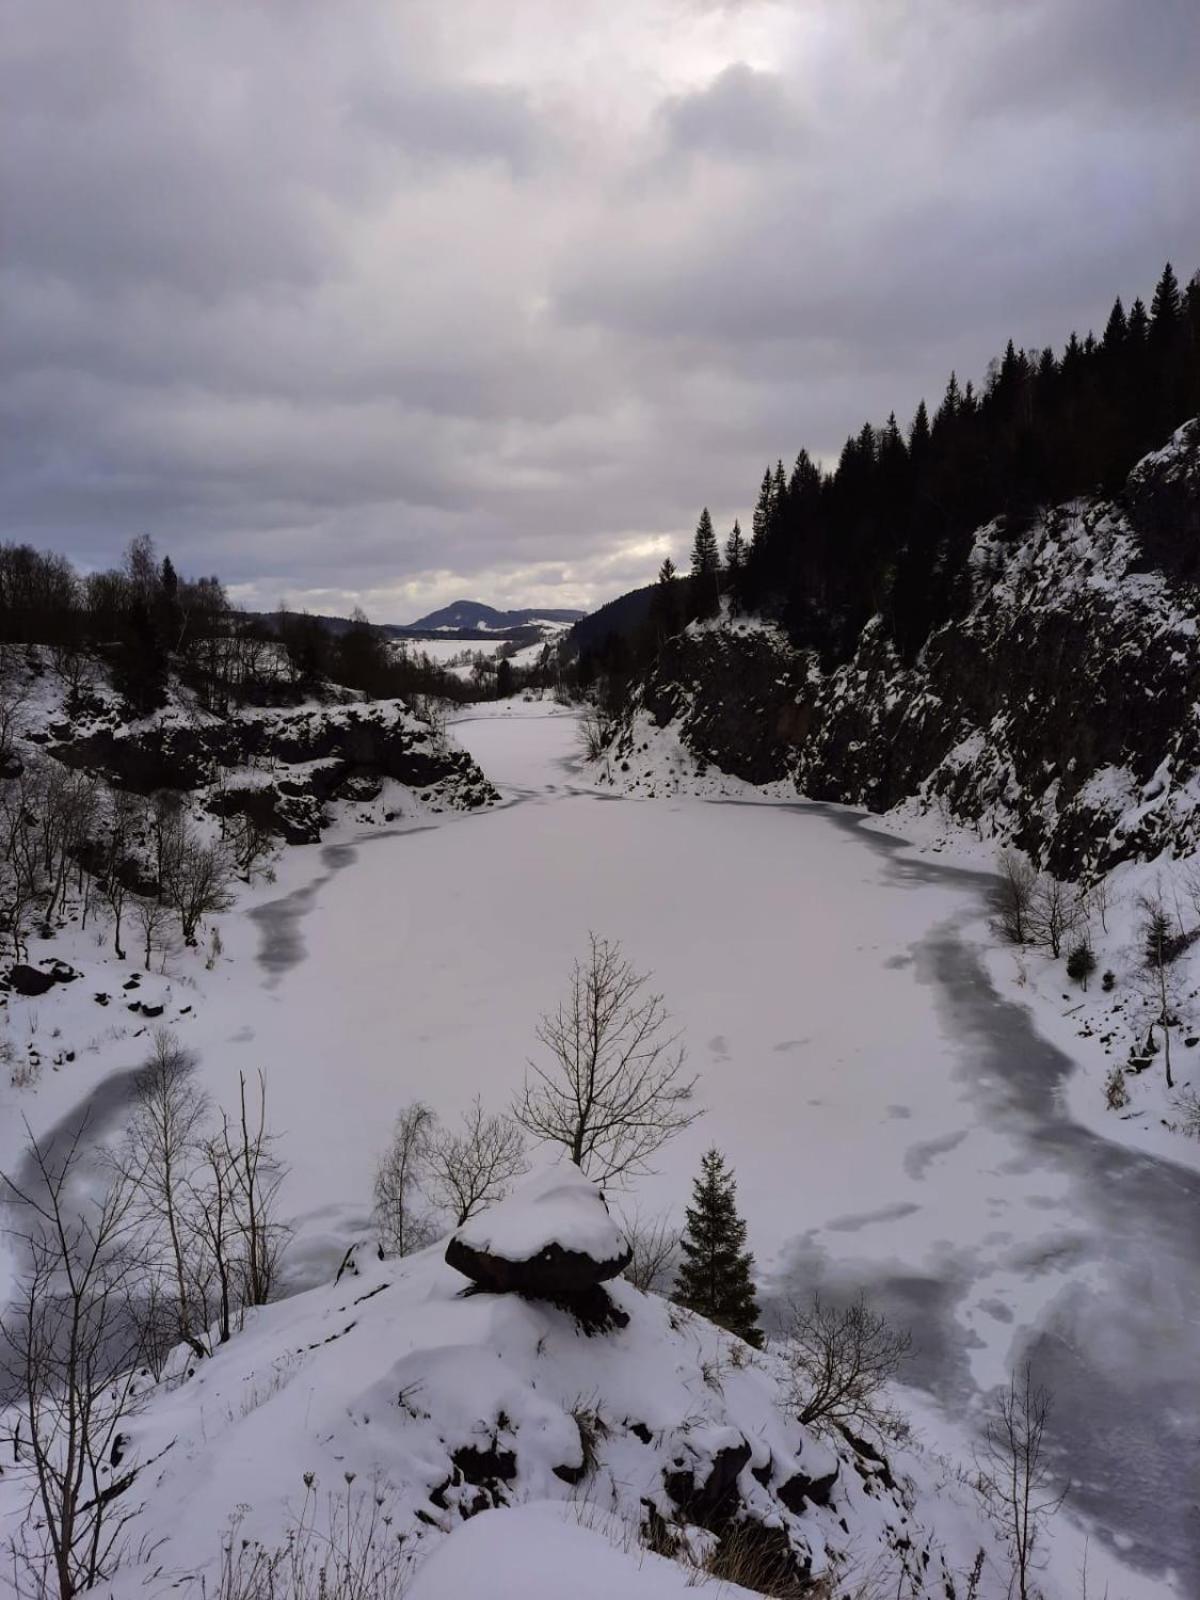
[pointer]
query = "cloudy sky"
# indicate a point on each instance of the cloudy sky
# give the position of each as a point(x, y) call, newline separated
point(393, 301)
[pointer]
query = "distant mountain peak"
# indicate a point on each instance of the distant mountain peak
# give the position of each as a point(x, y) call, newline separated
point(473, 614)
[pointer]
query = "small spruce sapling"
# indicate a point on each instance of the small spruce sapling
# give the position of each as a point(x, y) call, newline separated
point(1081, 962)
point(715, 1275)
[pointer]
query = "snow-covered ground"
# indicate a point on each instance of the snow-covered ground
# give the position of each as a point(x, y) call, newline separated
point(893, 1116)
point(459, 655)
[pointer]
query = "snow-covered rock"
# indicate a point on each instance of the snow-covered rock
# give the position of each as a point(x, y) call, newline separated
point(551, 1239)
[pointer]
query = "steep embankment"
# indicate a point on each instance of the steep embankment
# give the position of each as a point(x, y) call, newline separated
point(285, 768)
point(1058, 710)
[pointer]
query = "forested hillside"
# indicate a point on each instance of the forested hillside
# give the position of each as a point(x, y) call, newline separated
point(887, 533)
point(995, 613)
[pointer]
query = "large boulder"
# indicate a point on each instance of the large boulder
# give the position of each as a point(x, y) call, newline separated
point(33, 981)
point(553, 1240)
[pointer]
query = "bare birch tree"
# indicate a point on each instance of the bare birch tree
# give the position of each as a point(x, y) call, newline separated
point(1012, 896)
point(158, 1158)
point(1053, 912)
point(255, 1175)
point(654, 1241)
point(1015, 1481)
point(472, 1168)
point(70, 1348)
point(614, 1090)
point(153, 920)
point(399, 1214)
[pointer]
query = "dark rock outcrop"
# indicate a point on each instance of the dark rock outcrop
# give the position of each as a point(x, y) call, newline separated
point(712, 1501)
point(313, 755)
point(33, 981)
point(552, 1274)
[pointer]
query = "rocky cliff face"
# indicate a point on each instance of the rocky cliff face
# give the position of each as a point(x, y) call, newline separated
point(281, 767)
point(1059, 709)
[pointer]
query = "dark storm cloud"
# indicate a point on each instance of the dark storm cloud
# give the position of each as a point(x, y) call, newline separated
point(400, 302)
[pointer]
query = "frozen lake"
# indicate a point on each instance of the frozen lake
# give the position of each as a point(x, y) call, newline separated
point(893, 1122)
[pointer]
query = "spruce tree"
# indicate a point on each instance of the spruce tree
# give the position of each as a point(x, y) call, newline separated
point(706, 567)
point(1164, 308)
point(761, 525)
point(714, 1276)
point(735, 550)
point(664, 607)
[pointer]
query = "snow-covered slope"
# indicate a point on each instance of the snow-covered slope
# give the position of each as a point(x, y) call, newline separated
point(400, 1390)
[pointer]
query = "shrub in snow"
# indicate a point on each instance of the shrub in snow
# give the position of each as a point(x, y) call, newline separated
point(1116, 1091)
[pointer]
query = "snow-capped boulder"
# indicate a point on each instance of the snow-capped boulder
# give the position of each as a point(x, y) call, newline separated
point(554, 1240)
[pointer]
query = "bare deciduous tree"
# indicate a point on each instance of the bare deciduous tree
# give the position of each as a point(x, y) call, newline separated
point(654, 1241)
point(157, 1159)
point(614, 1091)
point(199, 884)
point(13, 695)
point(1158, 980)
point(256, 1175)
point(841, 1359)
point(1015, 1482)
point(469, 1170)
point(250, 843)
point(1098, 899)
point(72, 666)
point(399, 1213)
point(206, 1201)
point(1012, 896)
point(1053, 911)
point(153, 919)
point(71, 1349)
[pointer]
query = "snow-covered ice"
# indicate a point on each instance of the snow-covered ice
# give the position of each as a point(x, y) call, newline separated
point(893, 1119)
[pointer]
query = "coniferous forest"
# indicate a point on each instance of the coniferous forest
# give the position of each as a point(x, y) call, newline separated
point(888, 530)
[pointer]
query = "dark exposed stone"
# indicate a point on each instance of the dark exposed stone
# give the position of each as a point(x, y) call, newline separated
point(485, 1468)
point(30, 981)
point(335, 752)
point(800, 1491)
point(553, 1274)
point(712, 1503)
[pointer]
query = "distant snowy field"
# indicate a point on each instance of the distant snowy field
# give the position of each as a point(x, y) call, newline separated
point(799, 956)
point(460, 654)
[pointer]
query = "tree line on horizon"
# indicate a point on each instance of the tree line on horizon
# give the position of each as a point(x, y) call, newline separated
point(144, 621)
